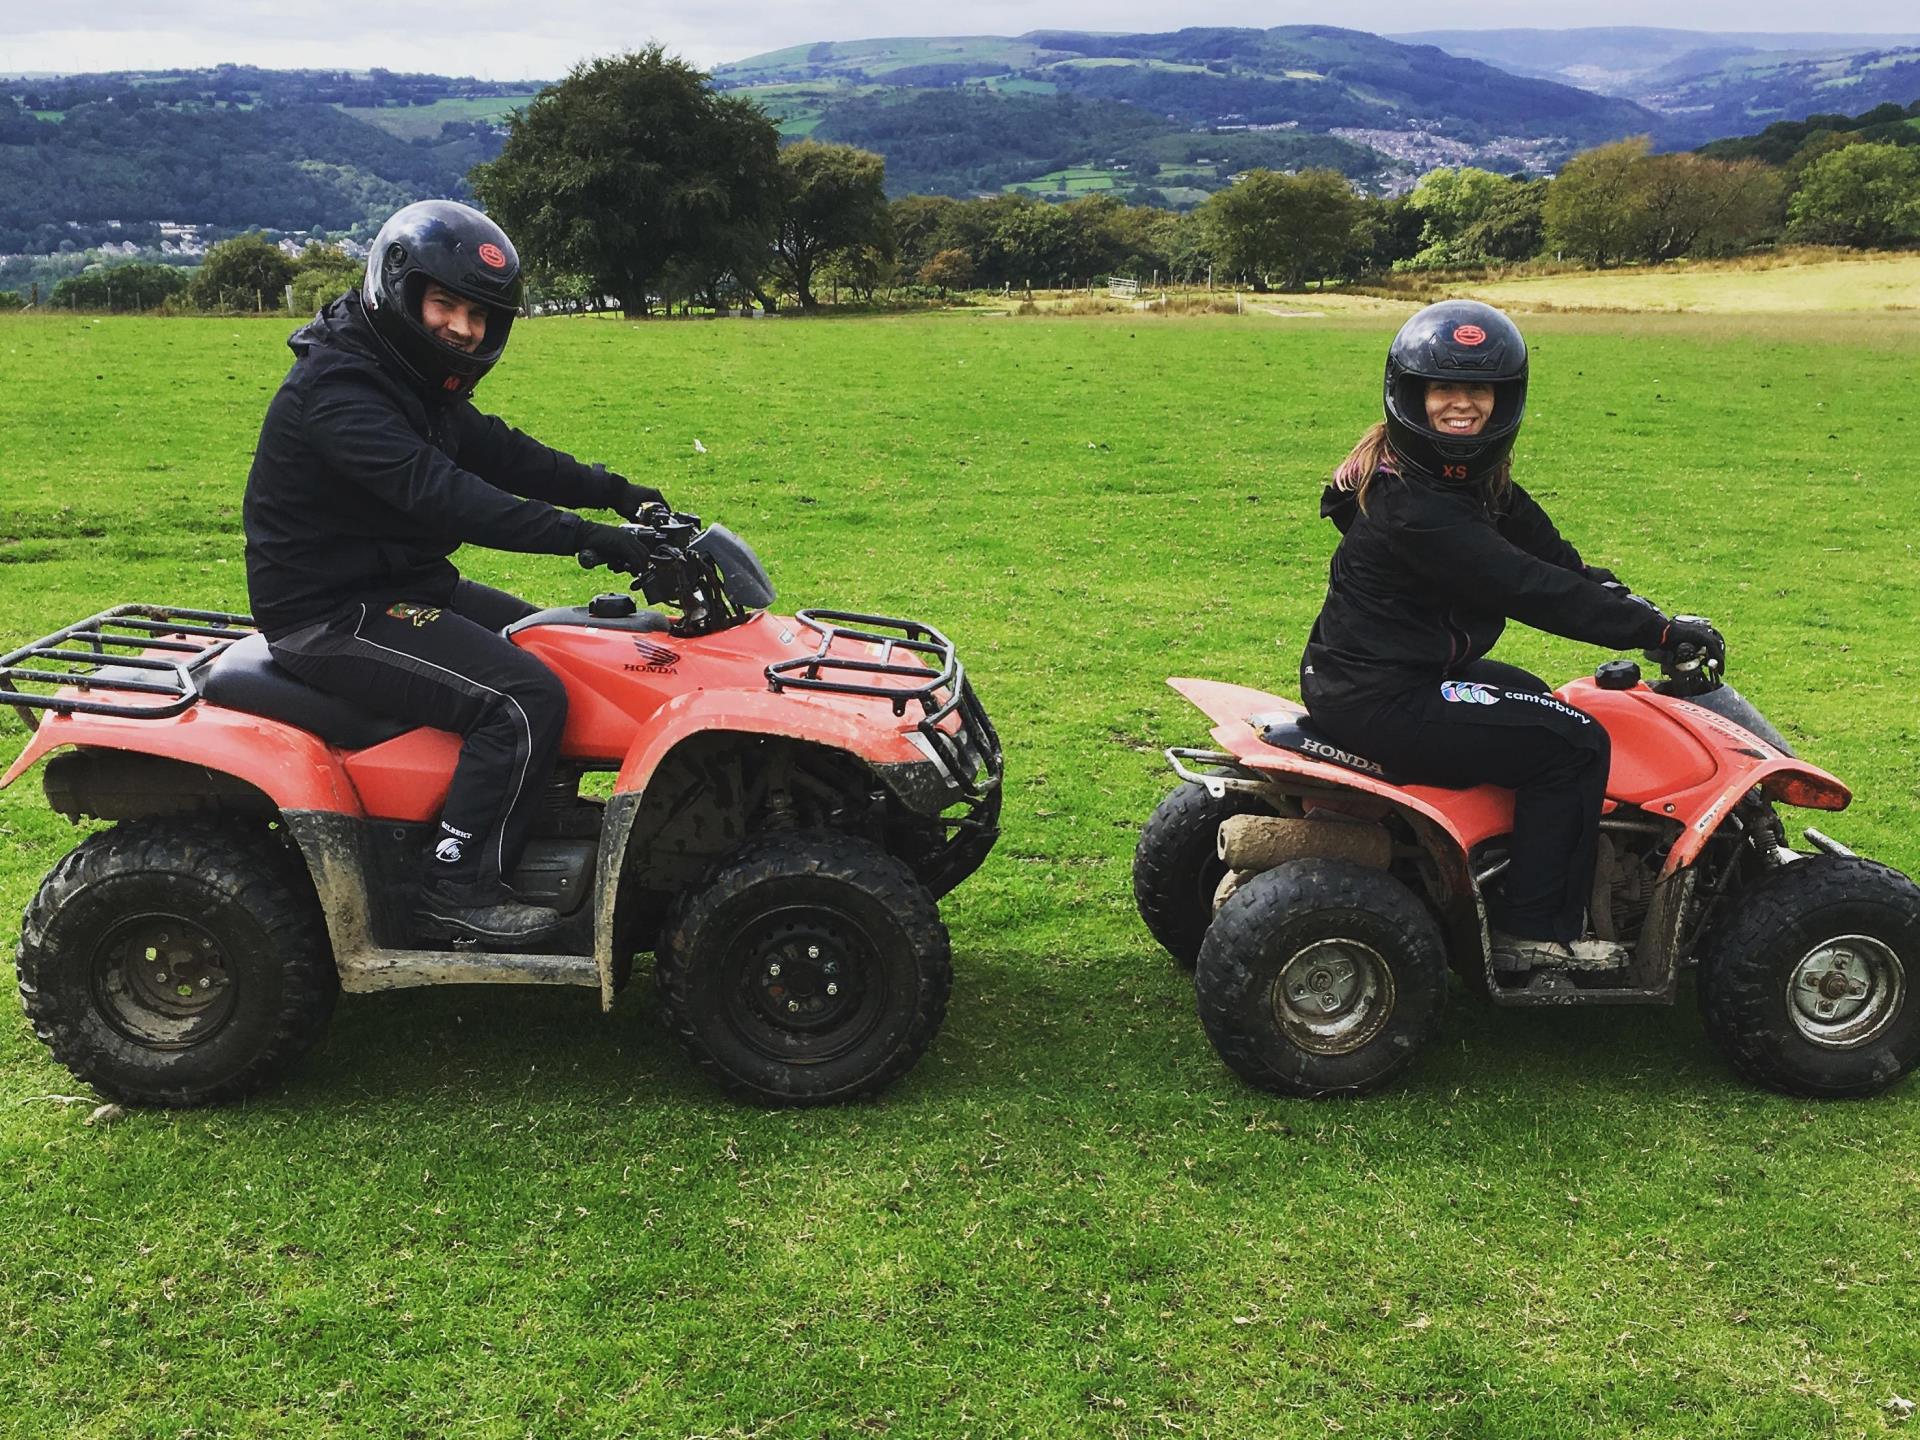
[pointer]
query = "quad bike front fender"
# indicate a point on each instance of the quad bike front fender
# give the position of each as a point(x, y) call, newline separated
point(866, 730)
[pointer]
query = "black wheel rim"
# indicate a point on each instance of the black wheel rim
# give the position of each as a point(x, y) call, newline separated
point(162, 981)
point(807, 983)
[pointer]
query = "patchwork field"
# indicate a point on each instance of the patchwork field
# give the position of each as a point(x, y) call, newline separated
point(503, 1214)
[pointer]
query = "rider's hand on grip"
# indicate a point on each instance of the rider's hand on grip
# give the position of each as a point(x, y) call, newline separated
point(1688, 637)
point(615, 547)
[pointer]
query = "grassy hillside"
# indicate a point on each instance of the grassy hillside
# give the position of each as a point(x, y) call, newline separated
point(497, 1214)
point(1309, 79)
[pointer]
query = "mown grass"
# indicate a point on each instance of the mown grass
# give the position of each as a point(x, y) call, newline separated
point(503, 1214)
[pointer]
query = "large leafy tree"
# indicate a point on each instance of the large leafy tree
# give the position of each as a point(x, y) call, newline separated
point(1450, 203)
point(1291, 227)
point(1861, 195)
point(633, 169)
point(833, 200)
point(1591, 211)
point(248, 272)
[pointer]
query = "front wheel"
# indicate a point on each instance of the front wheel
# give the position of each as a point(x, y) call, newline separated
point(812, 968)
point(176, 963)
point(1321, 977)
point(1810, 987)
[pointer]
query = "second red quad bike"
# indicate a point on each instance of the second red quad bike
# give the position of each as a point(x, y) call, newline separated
point(770, 804)
point(1322, 902)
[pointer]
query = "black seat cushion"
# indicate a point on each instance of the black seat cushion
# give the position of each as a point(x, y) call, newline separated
point(246, 678)
point(1298, 733)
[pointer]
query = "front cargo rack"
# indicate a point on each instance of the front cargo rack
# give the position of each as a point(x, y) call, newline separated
point(849, 674)
point(113, 654)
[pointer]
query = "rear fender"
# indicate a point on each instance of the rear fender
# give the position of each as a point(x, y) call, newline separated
point(290, 767)
point(1463, 818)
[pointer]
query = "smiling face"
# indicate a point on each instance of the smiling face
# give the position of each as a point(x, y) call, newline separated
point(1456, 408)
point(455, 320)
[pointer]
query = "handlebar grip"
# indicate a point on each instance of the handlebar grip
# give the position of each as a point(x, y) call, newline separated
point(590, 560)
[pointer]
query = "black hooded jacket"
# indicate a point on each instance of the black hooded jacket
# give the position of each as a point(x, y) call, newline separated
point(1425, 579)
point(362, 486)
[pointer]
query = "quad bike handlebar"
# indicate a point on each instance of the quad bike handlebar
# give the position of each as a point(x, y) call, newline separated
point(706, 572)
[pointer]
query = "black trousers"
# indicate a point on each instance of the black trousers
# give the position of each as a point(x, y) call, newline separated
point(444, 663)
point(1496, 724)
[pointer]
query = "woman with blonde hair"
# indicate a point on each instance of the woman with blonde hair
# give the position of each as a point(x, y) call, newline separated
point(1439, 548)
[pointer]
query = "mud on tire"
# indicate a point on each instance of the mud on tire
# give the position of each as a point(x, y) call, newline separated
point(1811, 987)
point(1176, 868)
point(176, 963)
point(1321, 977)
point(811, 968)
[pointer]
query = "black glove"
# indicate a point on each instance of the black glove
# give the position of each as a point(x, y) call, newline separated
point(616, 548)
point(1688, 637)
point(1605, 576)
point(629, 499)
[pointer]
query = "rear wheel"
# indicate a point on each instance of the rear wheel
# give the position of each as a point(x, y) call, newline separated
point(812, 968)
point(1810, 987)
point(1176, 868)
point(1321, 977)
point(176, 963)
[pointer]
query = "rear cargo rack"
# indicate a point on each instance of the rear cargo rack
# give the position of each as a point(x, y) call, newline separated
point(898, 646)
point(102, 657)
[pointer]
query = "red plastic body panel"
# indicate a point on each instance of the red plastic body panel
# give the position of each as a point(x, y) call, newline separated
point(1670, 757)
point(295, 770)
point(632, 696)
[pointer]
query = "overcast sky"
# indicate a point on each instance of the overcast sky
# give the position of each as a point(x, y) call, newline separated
point(542, 38)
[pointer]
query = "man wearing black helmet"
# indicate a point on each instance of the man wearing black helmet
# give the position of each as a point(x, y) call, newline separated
point(1439, 548)
point(374, 466)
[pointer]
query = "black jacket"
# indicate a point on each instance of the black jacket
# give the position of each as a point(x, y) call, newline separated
point(1425, 579)
point(363, 486)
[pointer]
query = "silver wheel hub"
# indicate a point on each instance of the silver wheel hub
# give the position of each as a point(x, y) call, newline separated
point(1333, 996)
point(1846, 991)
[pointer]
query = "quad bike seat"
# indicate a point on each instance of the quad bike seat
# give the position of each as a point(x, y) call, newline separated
point(1299, 734)
point(246, 678)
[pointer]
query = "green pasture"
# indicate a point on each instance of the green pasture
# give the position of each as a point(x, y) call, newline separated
point(1080, 180)
point(502, 1214)
point(423, 122)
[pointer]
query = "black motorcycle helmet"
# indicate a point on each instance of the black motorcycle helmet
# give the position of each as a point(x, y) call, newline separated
point(461, 249)
point(1474, 344)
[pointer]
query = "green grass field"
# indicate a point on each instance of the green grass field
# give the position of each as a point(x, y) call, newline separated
point(423, 122)
point(492, 1213)
point(1081, 180)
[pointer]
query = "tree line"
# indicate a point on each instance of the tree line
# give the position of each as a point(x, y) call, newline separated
point(635, 180)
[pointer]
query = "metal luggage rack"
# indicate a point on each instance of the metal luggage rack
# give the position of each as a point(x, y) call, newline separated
point(196, 637)
point(840, 675)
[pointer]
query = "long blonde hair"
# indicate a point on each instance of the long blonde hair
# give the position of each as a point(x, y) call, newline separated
point(1372, 454)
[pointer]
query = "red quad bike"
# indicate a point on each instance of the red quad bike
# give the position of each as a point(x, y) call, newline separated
point(778, 803)
point(1321, 903)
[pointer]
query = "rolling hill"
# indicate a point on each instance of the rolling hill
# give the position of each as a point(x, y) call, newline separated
point(1134, 105)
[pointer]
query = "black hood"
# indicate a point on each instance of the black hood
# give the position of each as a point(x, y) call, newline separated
point(343, 326)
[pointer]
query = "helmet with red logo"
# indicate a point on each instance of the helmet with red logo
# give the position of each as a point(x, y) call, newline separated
point(455, 246)
point(1466, 343)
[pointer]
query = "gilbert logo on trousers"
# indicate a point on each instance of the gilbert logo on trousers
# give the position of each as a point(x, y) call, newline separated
point(418, 614)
